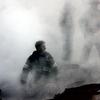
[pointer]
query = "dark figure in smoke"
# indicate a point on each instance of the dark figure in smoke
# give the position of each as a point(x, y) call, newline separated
point(41, 62)
point(67, 30)
point(91, 25)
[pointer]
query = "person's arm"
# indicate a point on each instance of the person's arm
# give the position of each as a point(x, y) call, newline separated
point(52, 65)
point(25, 71)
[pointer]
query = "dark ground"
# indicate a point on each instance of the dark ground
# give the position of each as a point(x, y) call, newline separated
point(85, 92)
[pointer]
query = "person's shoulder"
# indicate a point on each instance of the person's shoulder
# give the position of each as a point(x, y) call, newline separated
point(34, 52)
point(48, 54)
point(32, 55)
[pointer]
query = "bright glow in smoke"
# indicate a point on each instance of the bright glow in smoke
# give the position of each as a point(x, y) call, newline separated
point(23, 23)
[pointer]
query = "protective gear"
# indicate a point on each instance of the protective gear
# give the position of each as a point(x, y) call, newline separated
point(42, 63)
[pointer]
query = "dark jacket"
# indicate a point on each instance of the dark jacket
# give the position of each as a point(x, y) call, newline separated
point(41, 63)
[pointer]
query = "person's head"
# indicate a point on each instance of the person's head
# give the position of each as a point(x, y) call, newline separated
point(40, 46)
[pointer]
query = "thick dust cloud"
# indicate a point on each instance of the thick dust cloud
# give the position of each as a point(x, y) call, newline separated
point(61, 24)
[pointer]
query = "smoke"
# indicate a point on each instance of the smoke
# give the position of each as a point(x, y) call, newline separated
point(67, 30)
point(22, 22)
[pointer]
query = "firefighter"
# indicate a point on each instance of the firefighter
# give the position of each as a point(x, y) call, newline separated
point(41, 62)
